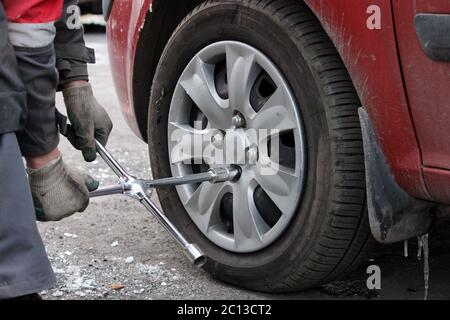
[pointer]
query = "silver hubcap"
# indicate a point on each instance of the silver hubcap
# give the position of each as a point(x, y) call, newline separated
point(229, 87)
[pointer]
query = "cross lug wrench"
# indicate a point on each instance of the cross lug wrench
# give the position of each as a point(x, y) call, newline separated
point(141, 190)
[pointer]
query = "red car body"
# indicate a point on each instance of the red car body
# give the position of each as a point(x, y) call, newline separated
point(405, 92)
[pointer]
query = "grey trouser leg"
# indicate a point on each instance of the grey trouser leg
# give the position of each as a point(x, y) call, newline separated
point(24, 266)
point(13, 96)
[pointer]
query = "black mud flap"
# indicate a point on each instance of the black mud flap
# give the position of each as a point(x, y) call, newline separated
point(393, 214)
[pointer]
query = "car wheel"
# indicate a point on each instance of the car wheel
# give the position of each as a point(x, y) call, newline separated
point(233, 65)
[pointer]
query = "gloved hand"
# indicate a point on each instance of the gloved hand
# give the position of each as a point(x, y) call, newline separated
point(59, 191)
point(89, 120)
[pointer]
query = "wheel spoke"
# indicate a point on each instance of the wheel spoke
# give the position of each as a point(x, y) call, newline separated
point(184, 138)
point(206, 202)
point(199, 85)
point(278, 182)
point(246, 219)
point(274, 114)
point(242, 71)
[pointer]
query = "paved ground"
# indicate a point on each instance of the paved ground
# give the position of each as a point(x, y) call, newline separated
point(116, 244)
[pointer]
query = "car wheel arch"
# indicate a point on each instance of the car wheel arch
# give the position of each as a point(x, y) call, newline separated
point(151, 44)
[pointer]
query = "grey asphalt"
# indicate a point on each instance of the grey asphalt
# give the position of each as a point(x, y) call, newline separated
point(116, 250)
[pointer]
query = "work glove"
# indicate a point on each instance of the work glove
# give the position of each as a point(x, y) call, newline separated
point(89, 120)
point(59, 191)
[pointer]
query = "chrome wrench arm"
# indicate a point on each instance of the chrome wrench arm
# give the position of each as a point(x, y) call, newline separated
point(107, 191)
point(215, 175)
point(212, 175)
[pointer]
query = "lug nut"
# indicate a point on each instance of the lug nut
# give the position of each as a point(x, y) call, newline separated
point(217, 140)
point(238, 121)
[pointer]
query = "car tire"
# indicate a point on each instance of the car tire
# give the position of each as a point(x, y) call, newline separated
point(329, 232)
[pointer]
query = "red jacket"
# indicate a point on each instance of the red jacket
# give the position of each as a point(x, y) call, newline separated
point(32, 11)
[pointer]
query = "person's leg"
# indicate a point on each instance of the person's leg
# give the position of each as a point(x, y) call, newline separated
point(24, 266)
